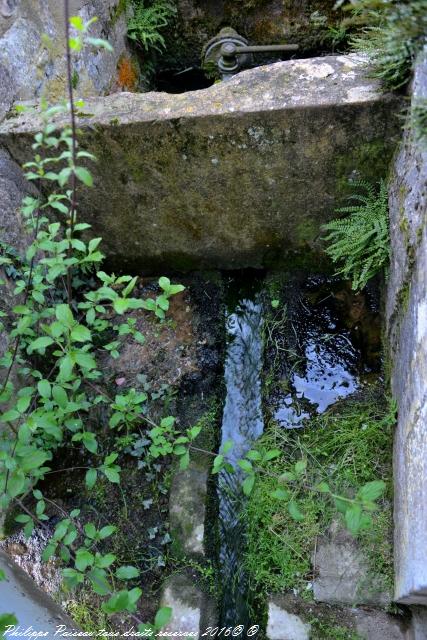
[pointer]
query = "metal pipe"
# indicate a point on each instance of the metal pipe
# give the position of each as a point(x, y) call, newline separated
point(266, 48)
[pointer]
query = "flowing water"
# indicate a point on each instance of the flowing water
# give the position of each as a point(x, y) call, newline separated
point(243, 424)
point(322, 362)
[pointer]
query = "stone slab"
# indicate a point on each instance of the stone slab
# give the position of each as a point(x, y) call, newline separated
point(293, 618)
point(187, 509)
point(406, 316)
point(343, 573)
point(32, 606)
point(283, 625)
point(192, 609)
point(235, 175)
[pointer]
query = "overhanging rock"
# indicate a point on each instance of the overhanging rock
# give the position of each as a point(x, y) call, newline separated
point(231, 176)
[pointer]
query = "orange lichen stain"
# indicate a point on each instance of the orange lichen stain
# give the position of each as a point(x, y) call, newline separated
point(127, 75)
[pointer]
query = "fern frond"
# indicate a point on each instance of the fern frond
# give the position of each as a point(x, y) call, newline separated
point(359, 243)
point(147, 22)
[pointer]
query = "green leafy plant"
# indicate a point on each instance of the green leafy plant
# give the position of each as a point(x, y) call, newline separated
point(147, 22)
point(58, 333)
point(326, 471)
point(360, 243)
point(392, 35)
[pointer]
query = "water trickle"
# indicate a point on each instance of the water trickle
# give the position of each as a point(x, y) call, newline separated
point(243, 424)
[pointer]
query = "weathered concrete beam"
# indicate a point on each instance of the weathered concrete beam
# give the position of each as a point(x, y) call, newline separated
point(407, 341)
point(232, 176)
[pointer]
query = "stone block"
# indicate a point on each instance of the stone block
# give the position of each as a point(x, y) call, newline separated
point(343, 573)
point(283, 625)
point(187, 509)
point(239, 174)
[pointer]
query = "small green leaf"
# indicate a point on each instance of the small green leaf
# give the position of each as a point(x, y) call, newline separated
point(40, 344)
point(90, 478)
point(121, 305)
point(163, 617)
point(84, 175)
point(60, 396)
point(84, 559)
point(371, 491)
point(275, 303)
point(44, 388)
point(323, 487)
point(107, 531)
point(279, 494)
point(127, 572)
point(248, 485)
point(245, 465)
point(64, 315)
point(271, 454)
point(77, 23)
point(80, 333)
point(112, 475)
point(184, 461)
point(294, 511)
point(300, 467)
point(353, 517)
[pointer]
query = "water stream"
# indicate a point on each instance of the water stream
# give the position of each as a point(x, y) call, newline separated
point(243, 424)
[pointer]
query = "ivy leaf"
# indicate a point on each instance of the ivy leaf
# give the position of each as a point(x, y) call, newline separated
point(127, 572)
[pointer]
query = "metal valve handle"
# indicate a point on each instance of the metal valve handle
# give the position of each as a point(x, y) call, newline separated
point(230, 51)
point(228, 62)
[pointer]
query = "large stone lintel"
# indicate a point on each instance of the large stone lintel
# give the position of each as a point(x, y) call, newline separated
point(231, 176)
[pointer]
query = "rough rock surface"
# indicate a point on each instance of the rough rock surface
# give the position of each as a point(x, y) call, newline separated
point(192, 610)
point(187, 509)
point(36, 68)
point(235, 175)
point(343, 573)
point(283, 625)
point(407, 342)
point(292, 618)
